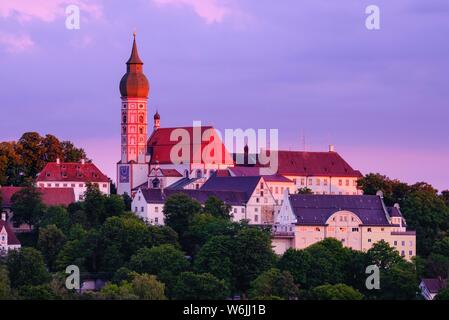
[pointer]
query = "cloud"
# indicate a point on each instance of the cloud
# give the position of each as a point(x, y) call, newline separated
point(210, 10)
point(15, 43)
point(44, 10)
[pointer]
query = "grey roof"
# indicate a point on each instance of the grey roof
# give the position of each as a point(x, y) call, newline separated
point(394, 212)
point(234, 198)
point(435, 285)
point(316, 209)
point(180, 184)
point(241, 184)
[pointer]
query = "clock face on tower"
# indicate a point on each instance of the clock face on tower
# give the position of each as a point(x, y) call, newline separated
point(124, 174)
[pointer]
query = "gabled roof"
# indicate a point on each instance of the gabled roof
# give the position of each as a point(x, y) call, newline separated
point(71, 171)
point(316, 209)
point(50, 196)
point(305, 163)
point(241, 184)
point(229, 197)
point(434, 285)
point(160, 146)
point(12, 239)
point(394, 212)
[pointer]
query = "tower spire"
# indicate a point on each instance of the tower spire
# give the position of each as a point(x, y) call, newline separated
point(134, 58)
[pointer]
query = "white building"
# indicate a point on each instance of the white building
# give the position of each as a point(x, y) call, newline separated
point(74, 175)
point(8, 240)
point(357, 221)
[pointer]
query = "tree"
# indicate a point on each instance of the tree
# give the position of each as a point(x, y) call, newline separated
point(335, 292)
point(120, 238)
point(304, 190)
point(71, 153)
point(6, 292)
point(147, 287)
point(37, 292)
point(252, 256)
point(203, 227)
point(29, 147)
point(393, 191)
point(383, 255)
point(50, 242)
point(215, 257)
point(443, 295)
point(445, 197)
point(27, 206)
point(179, 211)
point(11, 172)
point(427, 213)
point(297, 263)
point(58, 216)
point(273, 283)
point(123, 291)
point(327, 263)
point(164, 261)
point(52, 149)
point(26, 267)
point(128, 201)
point(217, 208)
point(192, 286)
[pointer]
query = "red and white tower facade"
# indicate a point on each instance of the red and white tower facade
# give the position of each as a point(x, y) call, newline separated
point(132, 169)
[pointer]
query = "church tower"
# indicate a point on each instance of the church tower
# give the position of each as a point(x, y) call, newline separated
point(134, 90)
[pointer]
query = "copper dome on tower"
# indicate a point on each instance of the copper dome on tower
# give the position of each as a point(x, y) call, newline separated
point(134, 83)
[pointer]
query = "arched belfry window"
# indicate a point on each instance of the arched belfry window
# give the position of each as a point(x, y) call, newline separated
point(156, 183)
point(198, 173)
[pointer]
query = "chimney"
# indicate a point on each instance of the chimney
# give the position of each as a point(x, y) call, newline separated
point(331, 148)
point(83, 161)
point(3, 216)
point(58, 161)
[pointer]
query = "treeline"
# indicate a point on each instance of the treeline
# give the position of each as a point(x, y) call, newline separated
point(199, 254)
point(21, 161)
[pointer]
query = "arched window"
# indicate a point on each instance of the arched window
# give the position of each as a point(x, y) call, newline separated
point(156, 183)
point(198, 173)
point(141, 119)
point(186, 173)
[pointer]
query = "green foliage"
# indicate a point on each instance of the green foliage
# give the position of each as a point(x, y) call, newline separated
point(216, 258)
point(274, 283)
point(217, 208)
point(26, 267)
point(192, 286)
point(164, 261)
point(304, 190)
point(383, 255)
point(179, 211)
point(297, 263)
point(443, 295)
point(252, 255)
point(58, 216)
point(27, 206)
point(37, 292)
point(335, 292)
point(50, 242)
point(6, 293)
point(142, 286)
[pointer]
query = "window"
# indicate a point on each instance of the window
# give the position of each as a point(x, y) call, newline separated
point(198, 173)
point(310, 182)
point(347, 182)
point(395, 243)
point(402, 253)
point(369, 240)
point(317, 229)
point(355, 229)
point(257, 200)
point(135, 209)
point(261, 185)
point(261, 193)
point(243, 210)
point(369, 230)
point(294, 181)
point(354, 183)
point(256, 218)
point(156, 220)
point(139, 198)
point(65, 184)
point(41, 185)
point(276, 190)
point(141, 209)
point(81, 185)
point(411, 243)
point(325, 182)
point(302, 181)
point(156, 209)
point(48, 184)
point(410, 253)
point(318, 182)
point(282, 189)
point(235, 210)
point(73, 185)
point(403, 243)
point(340, 182)
point(256, 209)
point(382, 229)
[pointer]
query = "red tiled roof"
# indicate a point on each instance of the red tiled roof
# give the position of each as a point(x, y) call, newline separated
point(160, 145)
point(12, 239)
point(170, 173)
point(304, 163)
point(50, 196)
point(71, 171)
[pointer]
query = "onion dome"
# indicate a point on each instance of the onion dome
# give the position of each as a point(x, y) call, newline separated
point(157, 116)
point(134, 83)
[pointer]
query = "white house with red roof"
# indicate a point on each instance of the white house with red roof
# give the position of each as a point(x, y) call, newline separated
point(73, 175)
point(8, 240)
